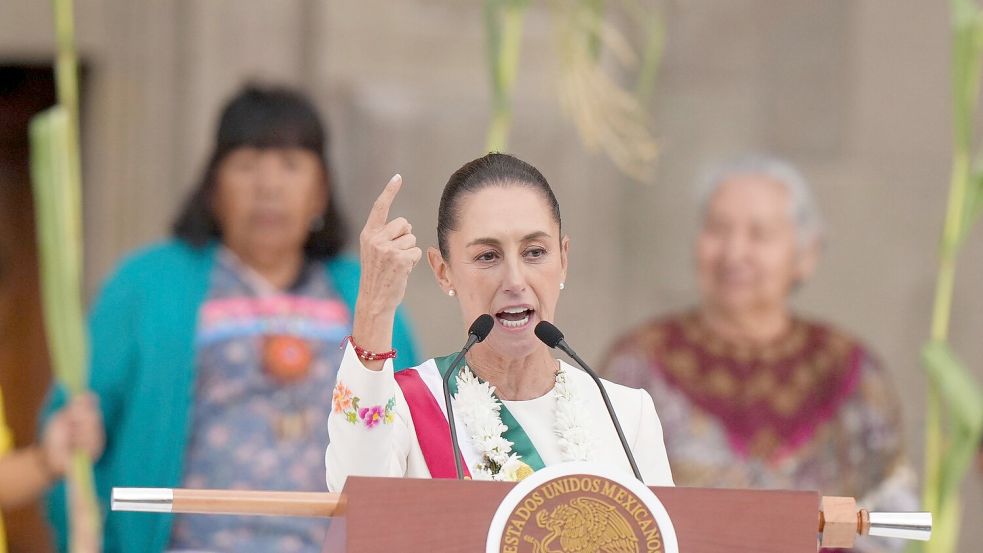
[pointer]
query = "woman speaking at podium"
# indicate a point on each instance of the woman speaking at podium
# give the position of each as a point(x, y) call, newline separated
point(501, 251)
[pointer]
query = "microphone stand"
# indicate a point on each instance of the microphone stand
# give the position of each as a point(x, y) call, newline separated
point(472, 340)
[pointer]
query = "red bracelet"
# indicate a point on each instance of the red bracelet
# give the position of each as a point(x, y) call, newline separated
point(366, 355)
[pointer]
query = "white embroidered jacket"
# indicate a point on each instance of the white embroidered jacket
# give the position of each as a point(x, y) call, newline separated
point(371, 432)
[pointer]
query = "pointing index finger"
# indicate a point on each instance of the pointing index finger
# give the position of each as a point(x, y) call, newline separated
point(380, 209)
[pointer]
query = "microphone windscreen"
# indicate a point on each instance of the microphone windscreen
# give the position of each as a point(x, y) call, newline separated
point(482, 326)
point(549, 334)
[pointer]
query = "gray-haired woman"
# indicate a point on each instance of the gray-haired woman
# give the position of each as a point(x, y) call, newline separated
point(749, 393)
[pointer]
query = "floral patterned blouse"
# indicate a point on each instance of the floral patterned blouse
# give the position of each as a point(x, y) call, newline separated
point(265, 371)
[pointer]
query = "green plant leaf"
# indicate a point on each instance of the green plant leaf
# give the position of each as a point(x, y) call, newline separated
point(957, 386)
point(493, 41)
point(56, 176)
point(954, 410)
point(974, 201)
point(655, 44)
point(59, 243)
point(503, 30)
point(963, 400)
point(593, 11)
point(967, 47)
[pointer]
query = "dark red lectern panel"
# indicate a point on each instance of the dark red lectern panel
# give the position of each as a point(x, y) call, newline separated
point(437, 516)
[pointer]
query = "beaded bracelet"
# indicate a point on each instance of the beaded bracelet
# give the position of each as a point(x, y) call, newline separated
point(366, 355)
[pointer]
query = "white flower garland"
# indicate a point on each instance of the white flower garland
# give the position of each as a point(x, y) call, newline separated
point(480, 411)
point(570, 421)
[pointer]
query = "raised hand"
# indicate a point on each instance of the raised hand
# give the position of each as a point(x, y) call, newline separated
point(388, 255)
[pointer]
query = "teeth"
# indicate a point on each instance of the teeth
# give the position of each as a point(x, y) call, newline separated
point(514, 324)
point(514, 310)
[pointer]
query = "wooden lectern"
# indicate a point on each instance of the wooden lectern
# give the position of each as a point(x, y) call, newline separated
point(446, 515)
point(434, 516)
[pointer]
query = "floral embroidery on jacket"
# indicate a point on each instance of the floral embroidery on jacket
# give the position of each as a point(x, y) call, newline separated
point(341, 398)
point(347, 404)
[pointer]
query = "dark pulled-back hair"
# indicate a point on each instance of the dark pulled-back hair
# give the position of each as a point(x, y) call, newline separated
point(263, 117)
point(494, 169)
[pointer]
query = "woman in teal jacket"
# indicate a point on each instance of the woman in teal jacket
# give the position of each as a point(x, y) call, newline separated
point(214, 354)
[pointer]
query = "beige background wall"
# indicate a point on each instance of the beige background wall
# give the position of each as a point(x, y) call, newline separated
point(856, 93)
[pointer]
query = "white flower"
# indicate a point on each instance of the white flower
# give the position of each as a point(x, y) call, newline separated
point(479, 410)
point(570, 424)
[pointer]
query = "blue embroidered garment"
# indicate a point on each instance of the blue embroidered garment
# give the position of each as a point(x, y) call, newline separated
point(251, 428)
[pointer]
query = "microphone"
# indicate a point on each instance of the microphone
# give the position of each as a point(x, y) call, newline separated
point(552, 337)
point(478, 331)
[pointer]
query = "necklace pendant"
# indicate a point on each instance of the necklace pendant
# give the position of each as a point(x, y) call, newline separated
point(286, 358)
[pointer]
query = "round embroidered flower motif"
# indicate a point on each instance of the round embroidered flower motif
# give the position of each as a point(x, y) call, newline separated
point(341, 398)
point(287, 358)
point(371, 416)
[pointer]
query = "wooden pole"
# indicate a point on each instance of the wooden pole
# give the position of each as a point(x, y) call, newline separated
point(228, 502)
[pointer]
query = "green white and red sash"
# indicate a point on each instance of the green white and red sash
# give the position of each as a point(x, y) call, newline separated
point(423, 389)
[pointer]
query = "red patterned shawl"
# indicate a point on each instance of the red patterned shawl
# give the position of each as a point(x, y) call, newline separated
point(771, 398)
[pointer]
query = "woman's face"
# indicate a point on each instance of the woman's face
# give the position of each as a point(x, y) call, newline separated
point(266, 199)
point(748, 256)
point(507, 259)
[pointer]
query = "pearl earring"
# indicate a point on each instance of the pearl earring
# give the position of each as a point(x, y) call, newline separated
point(451, 293)
point(561, 286)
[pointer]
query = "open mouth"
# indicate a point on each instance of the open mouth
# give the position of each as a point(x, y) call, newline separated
point(515, 317)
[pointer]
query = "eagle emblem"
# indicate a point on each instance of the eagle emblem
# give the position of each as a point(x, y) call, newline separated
point(584, 525)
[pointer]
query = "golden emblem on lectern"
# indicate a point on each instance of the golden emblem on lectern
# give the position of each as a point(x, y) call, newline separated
point(575, 508)
point(585, 524)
